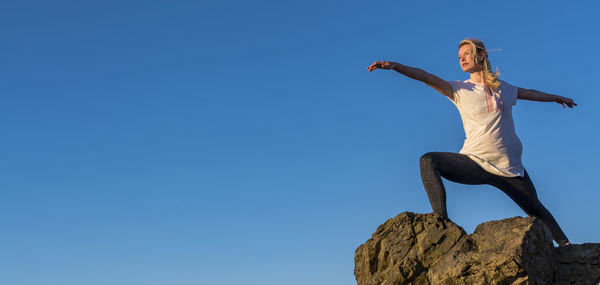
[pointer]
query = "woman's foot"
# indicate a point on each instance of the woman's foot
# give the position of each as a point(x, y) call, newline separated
point(563, 243)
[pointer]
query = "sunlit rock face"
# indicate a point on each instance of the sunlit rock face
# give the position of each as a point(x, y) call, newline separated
point(428, 249)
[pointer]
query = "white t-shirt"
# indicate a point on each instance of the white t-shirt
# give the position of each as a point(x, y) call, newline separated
point(491, 140)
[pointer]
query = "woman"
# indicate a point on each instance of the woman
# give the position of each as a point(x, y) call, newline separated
point(491, 153)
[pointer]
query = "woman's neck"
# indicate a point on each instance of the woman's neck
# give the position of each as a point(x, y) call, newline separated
point(477, 76)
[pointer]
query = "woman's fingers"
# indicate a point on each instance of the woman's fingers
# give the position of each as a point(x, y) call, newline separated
point(373, 66)
point(568, 101)
point(379, 64)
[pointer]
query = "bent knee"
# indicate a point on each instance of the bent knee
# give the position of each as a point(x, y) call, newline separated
point(427, 159)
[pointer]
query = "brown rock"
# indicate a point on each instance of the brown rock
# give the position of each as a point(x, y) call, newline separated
point(403, 248)
point(511, 251)
point(578, 264)
point(428, 249)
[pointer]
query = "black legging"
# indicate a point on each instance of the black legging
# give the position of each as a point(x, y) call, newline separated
point(462, 169)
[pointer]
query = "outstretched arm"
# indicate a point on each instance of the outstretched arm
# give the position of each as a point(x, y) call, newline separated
point(435, 82)
point(535, 95)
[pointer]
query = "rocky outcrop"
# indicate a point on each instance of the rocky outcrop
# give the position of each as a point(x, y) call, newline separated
point(578, 264)
point(428, 249)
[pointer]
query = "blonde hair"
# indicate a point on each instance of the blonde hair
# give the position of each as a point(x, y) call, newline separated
point(489, 78)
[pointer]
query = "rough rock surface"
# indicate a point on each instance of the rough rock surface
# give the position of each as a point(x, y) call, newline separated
point(578, 264)
point(428, 249)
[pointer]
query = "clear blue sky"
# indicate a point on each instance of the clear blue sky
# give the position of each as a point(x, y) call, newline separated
point(244, 142)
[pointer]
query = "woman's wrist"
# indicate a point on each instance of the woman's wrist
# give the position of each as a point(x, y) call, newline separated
point(557, 99)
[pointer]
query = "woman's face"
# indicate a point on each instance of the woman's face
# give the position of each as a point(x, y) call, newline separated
point(466, 58)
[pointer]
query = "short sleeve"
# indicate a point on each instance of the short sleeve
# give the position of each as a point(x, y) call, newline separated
point(456, 86)
point(510, 92)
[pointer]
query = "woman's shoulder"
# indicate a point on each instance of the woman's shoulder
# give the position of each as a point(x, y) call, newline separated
point(505, 85)
point(459, 84)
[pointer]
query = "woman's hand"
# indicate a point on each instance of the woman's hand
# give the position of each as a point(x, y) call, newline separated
point(382, 65)
point(564, 100)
